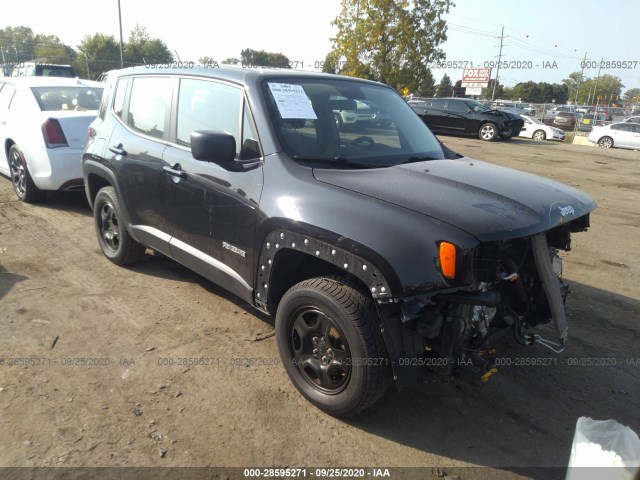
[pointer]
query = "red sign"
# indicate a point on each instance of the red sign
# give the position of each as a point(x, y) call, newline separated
point(476, 75)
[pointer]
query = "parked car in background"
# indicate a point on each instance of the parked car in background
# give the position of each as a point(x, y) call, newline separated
point(617, 135)
point(357, 118)
point(590, 120)
point(43, 130)
point(519, 107)
point(603, 110)
point(463, 116)
point(383, 258)
point(537, 130)
point(549, 115)
point(565, 120)
point(34, 69)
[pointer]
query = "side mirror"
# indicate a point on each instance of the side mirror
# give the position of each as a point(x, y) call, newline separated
point(215, 147)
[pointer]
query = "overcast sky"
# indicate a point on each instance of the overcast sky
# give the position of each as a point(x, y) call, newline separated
point(537, 33)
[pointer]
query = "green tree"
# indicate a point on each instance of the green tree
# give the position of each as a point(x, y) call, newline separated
point(445, 87)
point(574, 82)
point(632, 95)
point(602, 90)
point(488, 90)
point(100, 53)
point(50, 49)
point(389, 41)
point(141, 48)
point(426, 87)
point(230, 61)
point(261, 58)
point(18, 45)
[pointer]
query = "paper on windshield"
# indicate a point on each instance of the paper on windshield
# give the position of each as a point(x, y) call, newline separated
point(292, 101)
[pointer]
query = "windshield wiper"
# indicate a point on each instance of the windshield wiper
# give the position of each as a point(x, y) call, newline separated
point(414, 159)
point(339, 161)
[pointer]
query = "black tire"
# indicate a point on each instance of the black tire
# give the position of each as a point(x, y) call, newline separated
point(115, 242)
point(331, 345)
point(487, 132)
point(21, 179)
point(605, 142)
point(539, 135)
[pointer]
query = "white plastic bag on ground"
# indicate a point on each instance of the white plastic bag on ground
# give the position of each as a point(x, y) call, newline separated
point(603, 449)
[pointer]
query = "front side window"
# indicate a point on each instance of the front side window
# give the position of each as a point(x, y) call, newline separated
point(207, 105)
point(457, 106)
point(149, 105)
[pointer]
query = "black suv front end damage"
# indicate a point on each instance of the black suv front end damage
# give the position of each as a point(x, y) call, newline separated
point(514, 286)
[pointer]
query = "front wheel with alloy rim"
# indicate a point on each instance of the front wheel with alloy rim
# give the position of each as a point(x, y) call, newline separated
point(115, 242)
point(487, 132)
point(22, 182)
point(539, 135)
point(331, 345)
point(605, 142)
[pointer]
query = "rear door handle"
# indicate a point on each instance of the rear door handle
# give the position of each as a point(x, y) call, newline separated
point(175, 171)
point(118, 150)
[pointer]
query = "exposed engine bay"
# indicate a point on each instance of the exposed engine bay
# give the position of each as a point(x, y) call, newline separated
point(518, 285)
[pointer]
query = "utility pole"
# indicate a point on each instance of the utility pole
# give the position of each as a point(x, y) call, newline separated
point(121, 44)
point(575, 102)
point(495, 82)
point(595, 88)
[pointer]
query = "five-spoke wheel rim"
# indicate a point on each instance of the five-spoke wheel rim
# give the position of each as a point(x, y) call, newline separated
point(18, 173)
point(487, 132)
point(109, 228)
point(320, 350)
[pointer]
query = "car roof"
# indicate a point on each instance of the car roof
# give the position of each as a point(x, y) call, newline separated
point(238, 74)
point(51, 82)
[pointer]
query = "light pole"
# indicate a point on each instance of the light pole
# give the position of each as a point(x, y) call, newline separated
point(121, 44)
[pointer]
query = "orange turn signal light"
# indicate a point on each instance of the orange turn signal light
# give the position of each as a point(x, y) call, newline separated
point(448, 259)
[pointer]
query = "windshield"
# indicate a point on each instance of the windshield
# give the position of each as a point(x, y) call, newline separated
point(535, 120)
point(346, 123)
point(52, 99)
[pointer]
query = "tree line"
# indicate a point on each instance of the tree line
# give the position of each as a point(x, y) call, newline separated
point(382, 40)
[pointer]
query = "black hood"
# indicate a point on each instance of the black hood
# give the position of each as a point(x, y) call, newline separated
point(485, 200)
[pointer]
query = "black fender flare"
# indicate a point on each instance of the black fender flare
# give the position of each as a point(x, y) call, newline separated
point(380, 286)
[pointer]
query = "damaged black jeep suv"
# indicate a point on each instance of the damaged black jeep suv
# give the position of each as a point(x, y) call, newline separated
point(383, 256)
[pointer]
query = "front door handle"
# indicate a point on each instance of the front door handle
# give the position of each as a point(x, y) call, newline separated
point(118, 150)
point(175, 171)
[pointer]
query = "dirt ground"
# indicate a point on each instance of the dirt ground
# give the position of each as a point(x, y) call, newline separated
point(139, 403)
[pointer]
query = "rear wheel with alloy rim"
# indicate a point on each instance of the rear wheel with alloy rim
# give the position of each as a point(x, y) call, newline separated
point(331, 345)
point(115, 242)
point(605, 142)
point(22, 182)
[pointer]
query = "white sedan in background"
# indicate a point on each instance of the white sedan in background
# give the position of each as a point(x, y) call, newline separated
point(534, 128)
point(44, 124)
point(617, 135)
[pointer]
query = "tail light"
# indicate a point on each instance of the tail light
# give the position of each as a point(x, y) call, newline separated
point(53, 134)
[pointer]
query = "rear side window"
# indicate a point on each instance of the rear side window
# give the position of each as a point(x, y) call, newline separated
point(118, 100)
point(149, 105)
point(206, 105)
